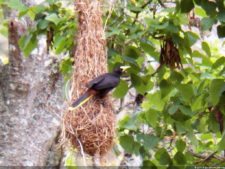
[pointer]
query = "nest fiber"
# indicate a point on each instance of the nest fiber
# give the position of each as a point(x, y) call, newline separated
point(91, 127)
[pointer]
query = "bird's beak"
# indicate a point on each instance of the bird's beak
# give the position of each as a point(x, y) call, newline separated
point(124, 68)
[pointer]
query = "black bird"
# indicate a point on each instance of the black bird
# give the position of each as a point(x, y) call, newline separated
point(100, 86)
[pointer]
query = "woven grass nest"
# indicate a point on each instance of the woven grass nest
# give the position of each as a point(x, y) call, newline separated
point(169, 54)
point(91, 127)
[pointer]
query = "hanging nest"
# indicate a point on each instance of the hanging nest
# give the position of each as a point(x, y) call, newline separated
point(169, 54)
point(91, 127)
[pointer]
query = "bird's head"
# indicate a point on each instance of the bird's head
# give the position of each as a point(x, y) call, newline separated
point(121, 69)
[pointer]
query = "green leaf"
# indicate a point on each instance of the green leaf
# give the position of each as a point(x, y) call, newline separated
point(209, 7)
point(148, 164)
point(182, 114)
point(221, 31)
point(136, 80)
point(66, 66)
point(17, 5)
point(213, 125)
point(193, 139)
point(28, 43)
point(197, 103)
point(206, 48)
point(221, 16)
point(148, 141)
point(207, 23)
point(186, 6)
point(42, 24)
point(150, 49)
point(152, 117)
point(134, 8)
point(181, 145)
point(219, 62)
point(70, 161)
point(186, 91)
point(53, 18)
point(60, 43)
point(51, 1)
point(217, 87)
point(129, 123)
point(173, 109)
point(121, 89)
point(200, 12)
point(140, 86)
point(128, 143)
point(171, 28)
point(180, 158)
point(186, 110)
point(207, 136)
point(192, 37)
point(205, 60)
point(33, 11)
point(114, 31)
point(163, 157)
point(154, 101)
point(176, 77)
point(221, 145)
point(130, 60)
point(132, 52)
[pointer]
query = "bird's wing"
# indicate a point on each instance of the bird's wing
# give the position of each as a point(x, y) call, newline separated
point(82, 99)
point(109, 82)
point(95, 81)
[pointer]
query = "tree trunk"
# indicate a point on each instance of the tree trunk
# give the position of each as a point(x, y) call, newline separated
point(31, 103)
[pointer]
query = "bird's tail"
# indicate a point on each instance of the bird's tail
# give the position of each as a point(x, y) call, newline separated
point(81, 100)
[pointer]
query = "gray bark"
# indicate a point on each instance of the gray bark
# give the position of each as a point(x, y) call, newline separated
point(31, 103)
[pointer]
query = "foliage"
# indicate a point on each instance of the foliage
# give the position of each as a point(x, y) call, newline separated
point(179, 110)
point(181, 120)
point(51, 18)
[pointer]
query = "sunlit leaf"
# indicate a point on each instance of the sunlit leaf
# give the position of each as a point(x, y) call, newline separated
point(152, 117)
point(121, 89)
point(16, 4)
point(206, 48)
point(217, 87)
point(221, 145)
point(180, 144)
point(53, 18)
point(180, 158)
point(154, 101)
point(162, 156)
point(148, 141)
point(207, 23)
point(128, 143)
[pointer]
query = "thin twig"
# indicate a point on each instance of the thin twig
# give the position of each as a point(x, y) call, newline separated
point(137, 13)
point(82, 152)
point(109, 15)
point(162, 4)
point(205, 158)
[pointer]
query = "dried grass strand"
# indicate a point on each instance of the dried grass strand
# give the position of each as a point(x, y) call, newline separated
point(91, 127)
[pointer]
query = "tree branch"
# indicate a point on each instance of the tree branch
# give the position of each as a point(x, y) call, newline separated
point(205, 158)
point(162, 4)
point(137, 13)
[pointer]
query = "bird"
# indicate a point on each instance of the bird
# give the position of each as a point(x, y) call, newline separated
point(100, 86)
